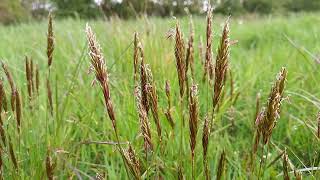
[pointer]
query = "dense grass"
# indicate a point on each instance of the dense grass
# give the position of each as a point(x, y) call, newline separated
point(79, 113)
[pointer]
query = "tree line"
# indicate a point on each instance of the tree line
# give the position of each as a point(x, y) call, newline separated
point(19, 10)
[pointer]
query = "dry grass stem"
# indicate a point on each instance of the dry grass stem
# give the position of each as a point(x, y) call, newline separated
point(18, 110)
point(318, 122)
point(168, 112)
point(205, 145)
point(12, 155)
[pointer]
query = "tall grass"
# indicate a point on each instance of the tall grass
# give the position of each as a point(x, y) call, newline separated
point(85, 143)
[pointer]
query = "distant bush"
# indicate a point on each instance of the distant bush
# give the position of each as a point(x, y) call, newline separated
point(81, 8)
point(230, 7)
point(303, 5)
point(12, 11)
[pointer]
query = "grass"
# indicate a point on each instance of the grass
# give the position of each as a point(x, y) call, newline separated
point(79, 114)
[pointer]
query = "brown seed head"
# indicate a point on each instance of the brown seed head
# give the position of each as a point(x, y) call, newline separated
point(180, 59)
point(285, 165)
point(132, 162)
point(50, 40)
point(3, 98)
point(193, 116)
point(144, 122)
point(98, 64)
point(221, 66)
point(135, 55)
point(18, 109)
point(50, 166)
point(268, 117)
point(153, 100)
point(208, 65)
point(190, 51)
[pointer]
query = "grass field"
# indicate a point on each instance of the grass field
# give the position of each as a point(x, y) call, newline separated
point(264, 46)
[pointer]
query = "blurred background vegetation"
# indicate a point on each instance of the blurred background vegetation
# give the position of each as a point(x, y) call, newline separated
point(22, 10)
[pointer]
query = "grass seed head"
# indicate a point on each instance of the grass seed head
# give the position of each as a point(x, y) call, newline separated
point(190, 51)
point(221, 67)
point(50, 40)
point(135, 55)
point(268, 117)
point(208, 65)
point(3, 97)
point(285, 166)
point(193, 116)
point(144, 122)
point(98, 64)
point(180, 59)
point(132, 162)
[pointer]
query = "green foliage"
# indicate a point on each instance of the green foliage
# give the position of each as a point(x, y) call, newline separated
point(77, 8)
point(303, 5)
point(12, 11)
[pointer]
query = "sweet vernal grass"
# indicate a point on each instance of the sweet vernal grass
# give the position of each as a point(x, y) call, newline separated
point(157, 119)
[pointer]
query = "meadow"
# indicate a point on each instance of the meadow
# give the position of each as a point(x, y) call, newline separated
point(78, 140)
